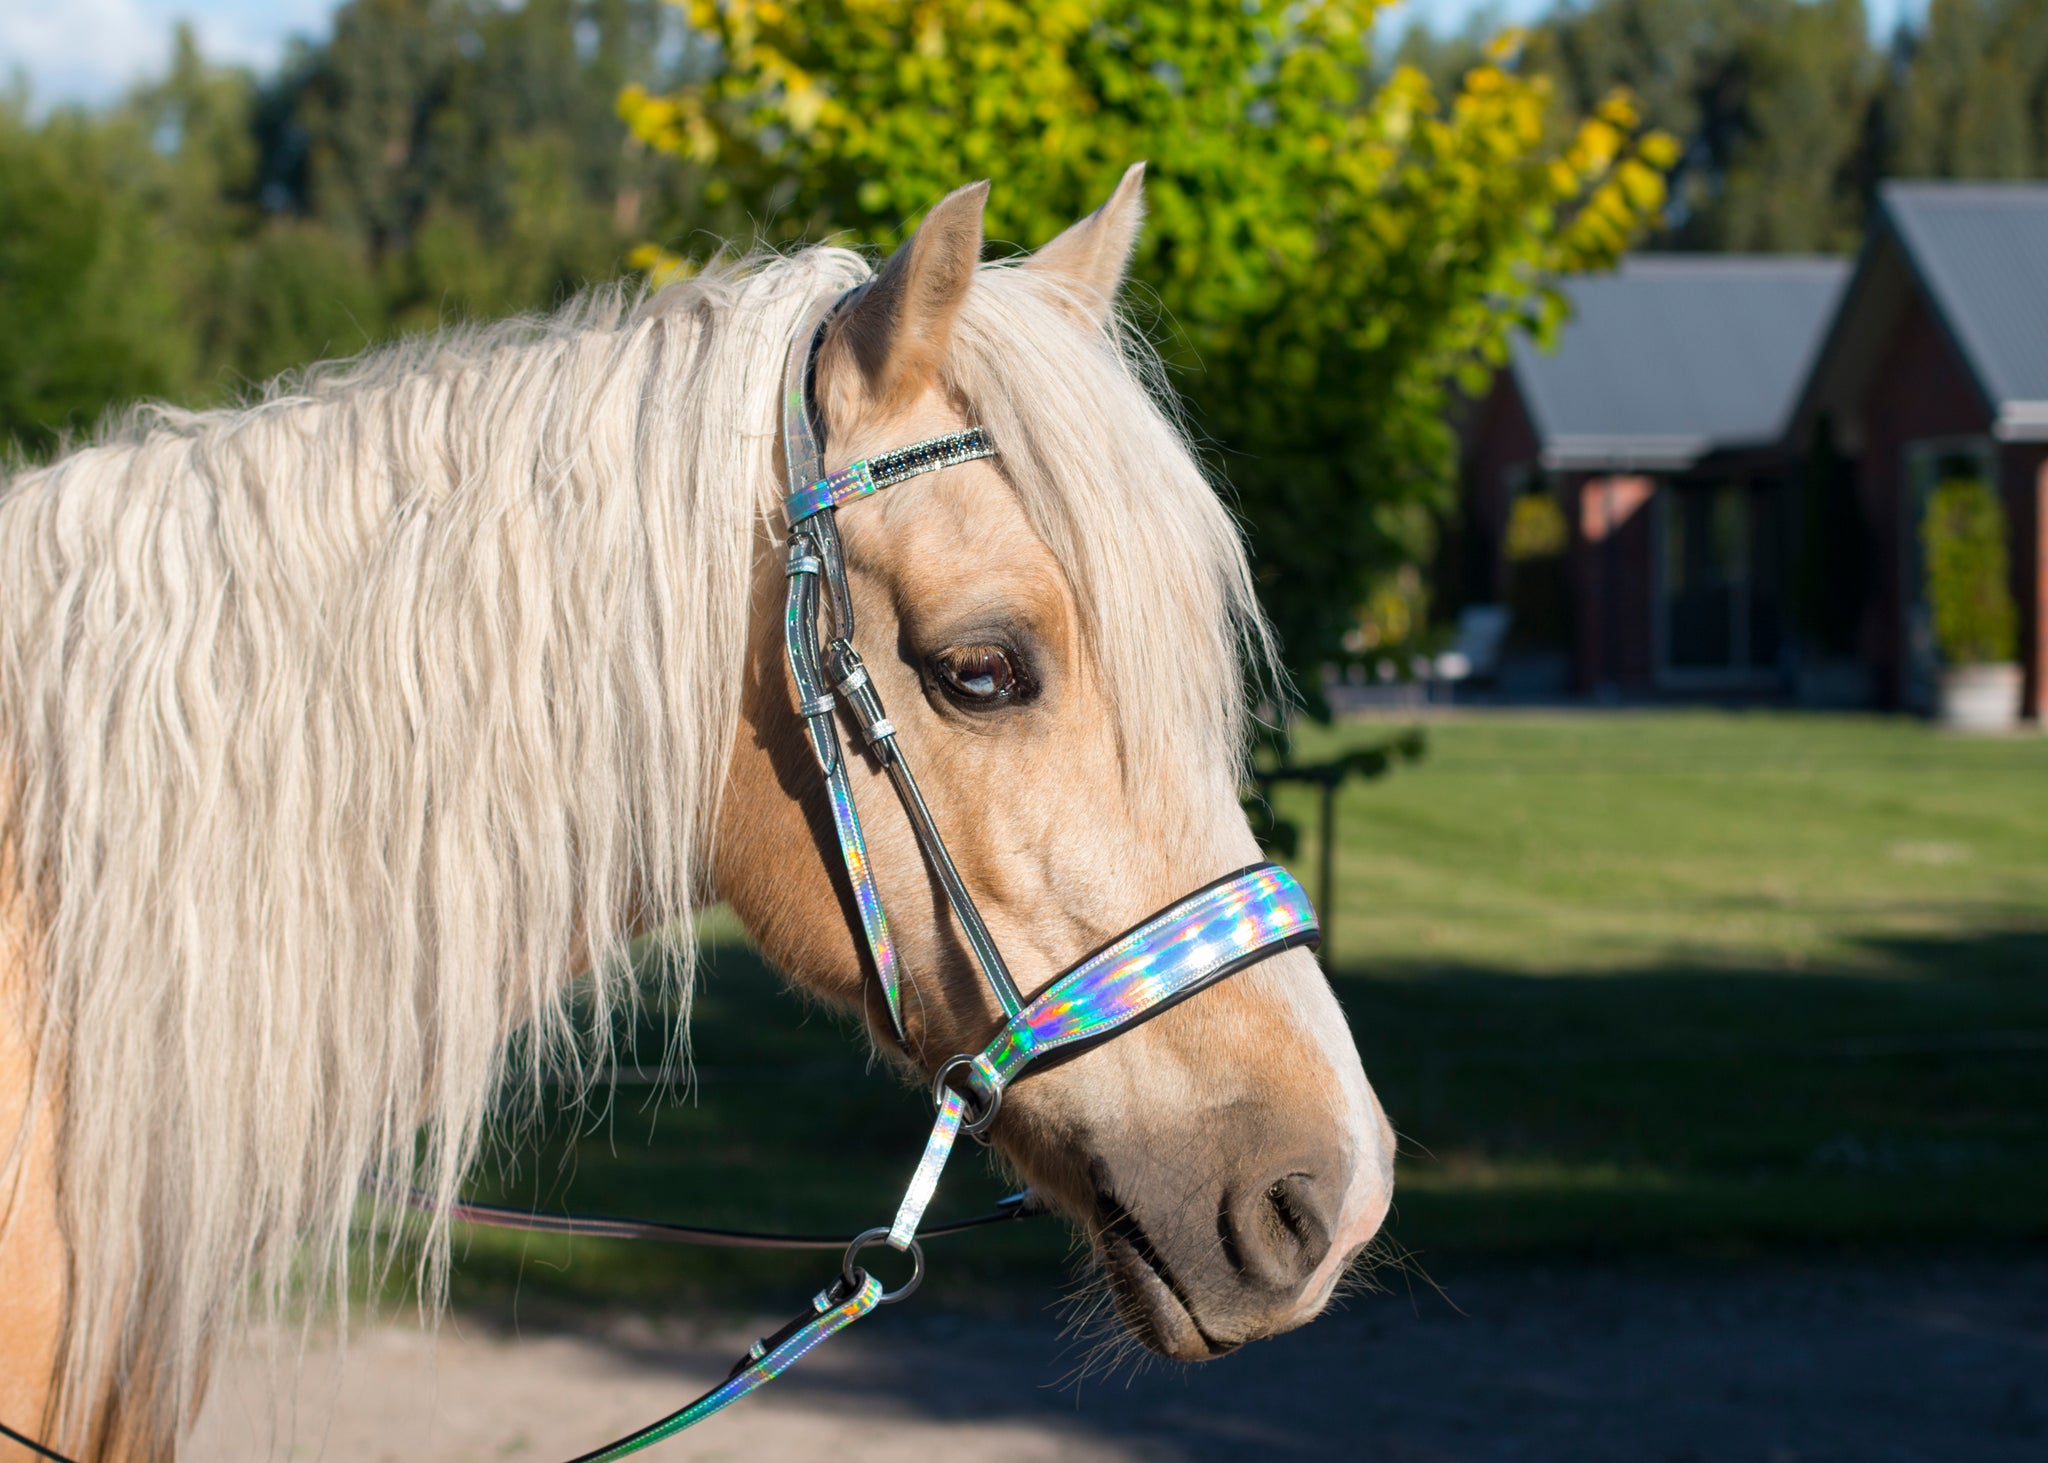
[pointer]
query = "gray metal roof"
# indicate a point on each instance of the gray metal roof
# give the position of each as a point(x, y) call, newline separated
point(1981, 251)
point(1676, 356)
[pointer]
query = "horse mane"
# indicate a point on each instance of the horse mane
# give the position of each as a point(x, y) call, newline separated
point(339, 728)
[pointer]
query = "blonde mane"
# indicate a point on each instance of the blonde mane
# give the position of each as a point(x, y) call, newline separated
point(342, 728)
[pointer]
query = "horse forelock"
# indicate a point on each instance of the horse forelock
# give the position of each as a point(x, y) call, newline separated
point(1155, 561)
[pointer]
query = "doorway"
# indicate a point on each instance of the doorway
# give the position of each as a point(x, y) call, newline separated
point(1722, 571)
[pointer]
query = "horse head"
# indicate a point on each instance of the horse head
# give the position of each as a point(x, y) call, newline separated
point(1059, 635)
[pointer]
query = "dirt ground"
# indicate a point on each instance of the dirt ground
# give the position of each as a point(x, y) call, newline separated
point(1784, 1362)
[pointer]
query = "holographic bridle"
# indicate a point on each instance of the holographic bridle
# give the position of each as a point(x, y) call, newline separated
point(1196, 941)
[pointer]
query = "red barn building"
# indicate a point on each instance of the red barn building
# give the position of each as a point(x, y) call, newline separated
point(1696, 411)
point(1936, 366)
point(1659, 430)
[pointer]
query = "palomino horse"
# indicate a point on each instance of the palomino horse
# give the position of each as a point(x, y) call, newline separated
point(341, 730)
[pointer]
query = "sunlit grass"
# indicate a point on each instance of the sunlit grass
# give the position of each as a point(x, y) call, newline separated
point(1609, 842)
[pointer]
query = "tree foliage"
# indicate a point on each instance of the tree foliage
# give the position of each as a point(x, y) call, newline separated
point(433, 160)
point(1774, 101)
point(89, 307)
point(1789, 113)
point(1327, 254)
point(470, 151)
point(1973, 99)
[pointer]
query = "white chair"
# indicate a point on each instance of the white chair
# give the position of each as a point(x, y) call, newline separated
point(1475, 654)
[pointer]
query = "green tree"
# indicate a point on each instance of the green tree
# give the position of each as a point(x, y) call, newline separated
point(1444, 58)
point(435, 159)
point(472, 151)
point(294, 293)
point(90, 303)
point(1974, 99)
point(1773, 101)
point(1330, 254)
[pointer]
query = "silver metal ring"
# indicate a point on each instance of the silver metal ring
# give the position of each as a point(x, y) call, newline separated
point(975, 1124)
point(852, 1272)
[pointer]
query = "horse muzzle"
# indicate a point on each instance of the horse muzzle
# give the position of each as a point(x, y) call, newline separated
point(1224, 1190)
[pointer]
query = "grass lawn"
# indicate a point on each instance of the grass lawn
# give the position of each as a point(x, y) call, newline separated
point(1703, 979)
point(1650, 981)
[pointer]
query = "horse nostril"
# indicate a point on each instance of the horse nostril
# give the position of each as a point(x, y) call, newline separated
point(1278, 1235)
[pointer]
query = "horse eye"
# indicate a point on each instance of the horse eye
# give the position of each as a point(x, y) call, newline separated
point(983, 674)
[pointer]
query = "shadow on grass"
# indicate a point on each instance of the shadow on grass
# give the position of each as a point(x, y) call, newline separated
point(1670, 1109)
point(789, 1126)
point(1722, 1108)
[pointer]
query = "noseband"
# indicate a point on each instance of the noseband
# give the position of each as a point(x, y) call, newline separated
point(1200, 938)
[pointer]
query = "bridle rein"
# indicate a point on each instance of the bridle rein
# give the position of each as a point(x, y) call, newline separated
point(1199, 939)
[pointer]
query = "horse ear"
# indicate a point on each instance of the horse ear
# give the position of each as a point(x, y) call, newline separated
point(897, 331)
point(1092, 255)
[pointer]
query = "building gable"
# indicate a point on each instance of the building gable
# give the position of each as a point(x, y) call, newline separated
point(1978, 255)
point(1982, 252)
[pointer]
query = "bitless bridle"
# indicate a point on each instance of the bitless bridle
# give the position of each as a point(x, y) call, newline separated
point(1196, 941)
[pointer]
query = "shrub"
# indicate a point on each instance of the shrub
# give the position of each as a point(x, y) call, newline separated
point(1536, 529)
point(1330, 243)
point(1539, 598)
point(1963, 541)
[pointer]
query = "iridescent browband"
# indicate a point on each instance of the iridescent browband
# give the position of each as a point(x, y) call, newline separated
point(872, 474)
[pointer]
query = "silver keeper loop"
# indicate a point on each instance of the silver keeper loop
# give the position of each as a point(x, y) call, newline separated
point(807, 564)
point(818, 706)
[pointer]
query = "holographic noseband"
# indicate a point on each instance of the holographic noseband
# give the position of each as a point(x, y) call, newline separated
point(1202, 937)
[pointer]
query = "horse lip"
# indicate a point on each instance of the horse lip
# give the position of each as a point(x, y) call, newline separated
point(1148, 1298)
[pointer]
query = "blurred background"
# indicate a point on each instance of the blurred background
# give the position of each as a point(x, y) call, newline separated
point(1638, 410)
